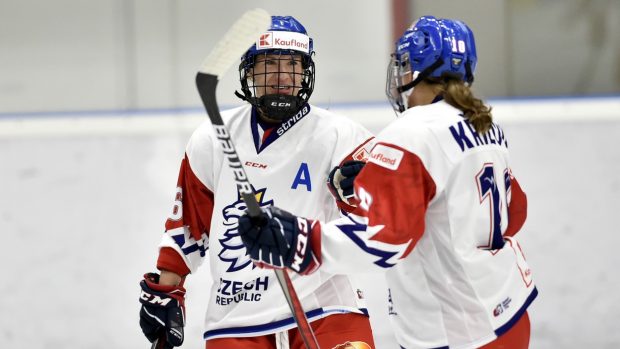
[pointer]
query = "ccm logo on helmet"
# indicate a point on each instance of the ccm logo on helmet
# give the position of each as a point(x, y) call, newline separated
point(147, 297)
point(302, 240)
point(385, 156)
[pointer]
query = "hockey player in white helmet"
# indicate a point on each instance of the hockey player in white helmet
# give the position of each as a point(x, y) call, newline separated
point(439, 207)
point(288, 148)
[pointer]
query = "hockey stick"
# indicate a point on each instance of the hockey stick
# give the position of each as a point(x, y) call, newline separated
point(235, 42)
point(157, 344)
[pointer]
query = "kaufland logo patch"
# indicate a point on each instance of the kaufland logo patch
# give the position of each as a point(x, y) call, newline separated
point(385, 156)
point(265, 40)
point(361, 155)
point(284, 40)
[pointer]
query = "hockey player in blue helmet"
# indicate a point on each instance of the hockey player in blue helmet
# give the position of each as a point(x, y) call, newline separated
point(439, 207)
point(277, 72)
point(432, 50)
point(289, 148)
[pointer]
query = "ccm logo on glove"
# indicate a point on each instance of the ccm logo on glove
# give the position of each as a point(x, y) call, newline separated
point(302, 242)
point(154, 299)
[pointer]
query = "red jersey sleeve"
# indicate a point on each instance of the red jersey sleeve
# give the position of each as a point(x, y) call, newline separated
point(399, 189)
point(517, 209)
point(191, 213)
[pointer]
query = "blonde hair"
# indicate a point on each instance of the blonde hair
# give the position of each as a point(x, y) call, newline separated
point(460, 96)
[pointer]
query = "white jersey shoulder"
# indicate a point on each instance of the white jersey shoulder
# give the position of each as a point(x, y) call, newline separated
point(439, 132)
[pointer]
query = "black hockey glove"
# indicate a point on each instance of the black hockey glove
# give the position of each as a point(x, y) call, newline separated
point(162, 315)
point(278, 239)
point(341, 179)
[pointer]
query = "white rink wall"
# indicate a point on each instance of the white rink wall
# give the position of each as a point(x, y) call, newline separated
point(83, 198)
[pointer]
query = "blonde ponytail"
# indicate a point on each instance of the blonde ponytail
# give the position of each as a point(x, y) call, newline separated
point(460, 96)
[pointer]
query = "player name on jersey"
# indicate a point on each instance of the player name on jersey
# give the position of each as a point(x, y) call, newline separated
point(466, 136)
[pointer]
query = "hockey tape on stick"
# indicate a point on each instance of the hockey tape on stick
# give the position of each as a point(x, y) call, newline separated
point(235, 42)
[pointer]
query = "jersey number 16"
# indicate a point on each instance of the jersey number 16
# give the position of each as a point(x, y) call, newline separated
point(487, 190)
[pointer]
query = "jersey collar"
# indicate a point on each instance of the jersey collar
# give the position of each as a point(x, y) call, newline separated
point(266, 133)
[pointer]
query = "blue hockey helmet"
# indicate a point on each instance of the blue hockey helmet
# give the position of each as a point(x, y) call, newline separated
point(431, 48)
point(286, 39)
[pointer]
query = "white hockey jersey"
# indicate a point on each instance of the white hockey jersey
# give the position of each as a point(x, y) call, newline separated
point(288, 166)
point(438, 209)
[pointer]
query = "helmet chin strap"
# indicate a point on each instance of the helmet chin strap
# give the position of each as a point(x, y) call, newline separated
point(408, 90)
point(417, 78)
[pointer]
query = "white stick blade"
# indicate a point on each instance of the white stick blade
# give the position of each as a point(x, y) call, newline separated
point(243, 33)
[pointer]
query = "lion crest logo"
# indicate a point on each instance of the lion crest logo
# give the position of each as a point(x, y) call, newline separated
point(233, 251)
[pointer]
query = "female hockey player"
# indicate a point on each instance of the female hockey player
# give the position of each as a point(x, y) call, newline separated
point(438, 209)
point(288, 148)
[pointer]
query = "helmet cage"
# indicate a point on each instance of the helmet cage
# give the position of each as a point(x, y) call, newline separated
point(255, 84)
point(398, 68)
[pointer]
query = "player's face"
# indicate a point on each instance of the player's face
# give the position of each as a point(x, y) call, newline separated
point(277, 74)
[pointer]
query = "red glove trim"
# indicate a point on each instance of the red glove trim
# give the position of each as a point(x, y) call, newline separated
point(173, 290)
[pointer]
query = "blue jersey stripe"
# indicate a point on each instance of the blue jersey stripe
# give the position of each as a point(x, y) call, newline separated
point(273, 327)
